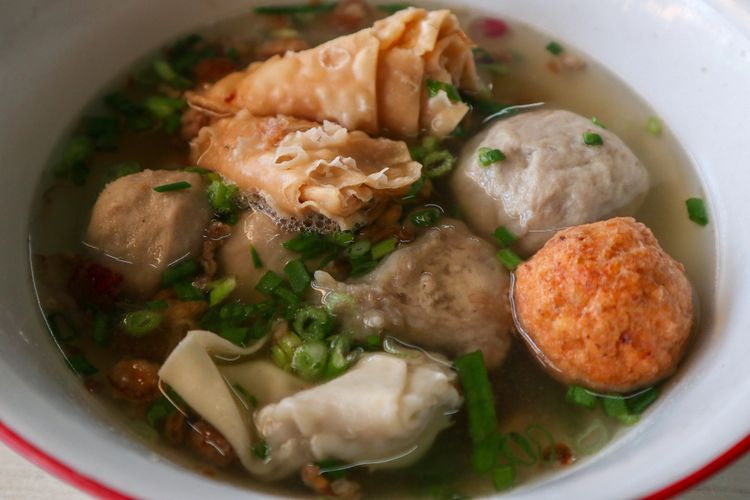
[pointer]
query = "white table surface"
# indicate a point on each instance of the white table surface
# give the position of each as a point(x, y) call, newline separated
point(20, 479)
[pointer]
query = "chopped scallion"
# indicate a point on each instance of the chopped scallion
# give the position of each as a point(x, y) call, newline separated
point(257, 263)
point(637, 404)
point(262, 450)
point(592, 139)
point(222, 197)
point(342, 238)
point(597, 122)
point(309, 359)
point(185, 290)
point(383, 248)
point(248, 399)
point(81, 365)
point(488, 156)
point(426, 217)
point(697, 213)
point(173, 186)
point(60, 327)
point(235, 334)
point(140, 323)
point(504, 236)
point(179, 271)
point(313, 323)
point(580, 396)
point(508, 258)
point(434, 87)
point(359, 249)
point(298, 275)
point(268, 283)
point(654, 126)
point(161, 106)
point(554, 48)
point(438, 164)
point(221, 289)
point(286, 295)
point(158, 411)
point(503, 477)
point(480, 407)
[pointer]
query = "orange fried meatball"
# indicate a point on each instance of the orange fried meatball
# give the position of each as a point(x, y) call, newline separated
point(603, 306)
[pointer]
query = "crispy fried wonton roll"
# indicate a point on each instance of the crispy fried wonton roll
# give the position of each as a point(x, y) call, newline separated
point(301, 168)
point(372, 80)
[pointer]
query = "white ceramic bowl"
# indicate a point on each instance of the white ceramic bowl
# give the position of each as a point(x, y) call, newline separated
point(689, 59)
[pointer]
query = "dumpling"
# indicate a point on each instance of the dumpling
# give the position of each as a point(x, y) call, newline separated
point(302, 168)
point(445, 292)
point(550, 178)
point(373, 80)
point(384, 407)
point(139, 232)
point(192, 372)
point(385, 412)
point(257, 230)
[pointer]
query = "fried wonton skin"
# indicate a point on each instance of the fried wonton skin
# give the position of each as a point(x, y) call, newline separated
point(373, 80)
point(302, 168)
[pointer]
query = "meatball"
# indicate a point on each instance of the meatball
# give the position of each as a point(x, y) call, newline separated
point(257, 230)
point(445, 291)
point(139, 232)
point(603, 306)
point(549, 180)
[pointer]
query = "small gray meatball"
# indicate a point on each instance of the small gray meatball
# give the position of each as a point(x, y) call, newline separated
point(257, 230)
point(139, 232)
point(444, 292)
point(550, 178)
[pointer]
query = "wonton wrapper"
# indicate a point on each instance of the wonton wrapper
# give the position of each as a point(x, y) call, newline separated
point(371, 80)
point(192, 372)
point(384, 407)
point(301, 168)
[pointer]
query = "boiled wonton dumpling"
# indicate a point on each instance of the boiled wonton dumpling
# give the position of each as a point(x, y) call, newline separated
point(384, 407)
point(301, 168)
point(372, 80)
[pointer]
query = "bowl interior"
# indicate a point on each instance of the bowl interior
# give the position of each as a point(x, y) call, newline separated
point(57, 55)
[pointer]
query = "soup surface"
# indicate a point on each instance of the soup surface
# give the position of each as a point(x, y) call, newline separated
point(150, 127)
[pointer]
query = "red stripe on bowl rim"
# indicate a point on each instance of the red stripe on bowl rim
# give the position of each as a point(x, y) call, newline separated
point(50, 464)
point(94, 487)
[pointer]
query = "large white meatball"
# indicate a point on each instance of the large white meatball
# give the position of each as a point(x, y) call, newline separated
point(550, 179)
point(139, 232)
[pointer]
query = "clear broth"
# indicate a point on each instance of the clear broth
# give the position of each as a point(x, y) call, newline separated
point(525, 394)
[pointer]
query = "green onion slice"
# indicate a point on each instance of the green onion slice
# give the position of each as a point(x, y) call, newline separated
point(179, 271)
point(257, 262)
point(426, 217)
point(503, 477)
point(80, 365)
point(434, 87)
point(174, 186)
point(309, 359)
point(504, 236)
point(298, 275)
point(221, 289)
point(554, 48)
point(580, 396)
point(140, 323)
point(268, 283)
point(438, 164)
point(654, 126)
point(508, 258)
point(480, 407)
point(697, 213)
point(313, 323)
point(383, 248)
point(488, 156)
point(592, 139)
point(597, 122)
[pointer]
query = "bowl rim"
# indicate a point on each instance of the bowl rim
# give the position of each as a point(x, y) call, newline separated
point(100, 489)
